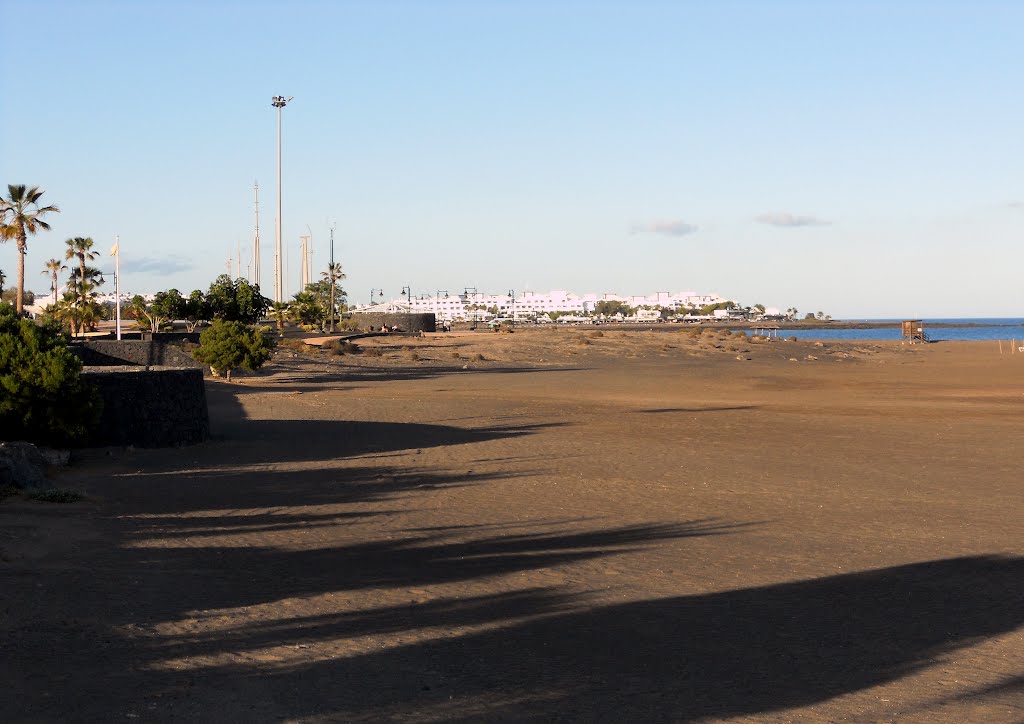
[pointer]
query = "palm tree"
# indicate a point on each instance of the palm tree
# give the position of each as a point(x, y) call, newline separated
point(53, 268)
point(280, 312)
point(21, 215)
point(333, 275)
point(81, 280)
point(82, 292)
point(81, 249)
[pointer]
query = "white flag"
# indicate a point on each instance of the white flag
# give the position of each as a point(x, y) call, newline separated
point(113, 249)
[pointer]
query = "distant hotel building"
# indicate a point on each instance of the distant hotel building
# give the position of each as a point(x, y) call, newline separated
point(472, 305)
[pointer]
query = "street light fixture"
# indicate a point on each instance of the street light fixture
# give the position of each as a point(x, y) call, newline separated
point(279, 102)
point(380, 293)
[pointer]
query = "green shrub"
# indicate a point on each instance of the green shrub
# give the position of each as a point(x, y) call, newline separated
point(42, 396)
point(229, 345)
point(343, 346)
point(56, 495)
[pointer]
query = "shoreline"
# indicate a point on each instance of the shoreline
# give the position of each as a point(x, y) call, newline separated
point(745, 326)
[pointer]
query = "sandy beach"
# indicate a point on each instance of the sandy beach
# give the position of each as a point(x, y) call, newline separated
point(567, 524)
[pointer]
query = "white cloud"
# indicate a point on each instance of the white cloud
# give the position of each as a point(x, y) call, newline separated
point(667, 228)
point(782, 218)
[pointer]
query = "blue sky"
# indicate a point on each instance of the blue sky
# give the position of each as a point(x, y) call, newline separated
point(865, 159)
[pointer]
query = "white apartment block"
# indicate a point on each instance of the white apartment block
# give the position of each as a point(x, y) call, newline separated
point(473, 305)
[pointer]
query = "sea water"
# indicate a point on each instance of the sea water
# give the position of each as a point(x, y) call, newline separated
point(981, 329)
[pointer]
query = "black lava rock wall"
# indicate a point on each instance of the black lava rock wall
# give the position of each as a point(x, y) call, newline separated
point(150, 408)
point(406, 322)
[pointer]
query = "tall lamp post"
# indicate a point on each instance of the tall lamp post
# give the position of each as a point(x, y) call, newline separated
point(512, 294)
point(279, 102)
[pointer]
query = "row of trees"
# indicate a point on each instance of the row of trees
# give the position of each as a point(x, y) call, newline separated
point(22, 214)
point(79, 308)
point(227, 300)
point(239, 301)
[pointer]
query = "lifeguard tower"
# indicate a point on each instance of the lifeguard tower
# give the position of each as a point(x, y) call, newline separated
point(913, 331)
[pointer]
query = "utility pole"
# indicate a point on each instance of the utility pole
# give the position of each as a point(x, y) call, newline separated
point(279, 102)
point(304, 273)
point(332, 243)
point(256, 236)
point(308, 258)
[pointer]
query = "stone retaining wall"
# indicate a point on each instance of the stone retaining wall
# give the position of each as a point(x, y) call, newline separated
point(147, 353)
point(150, 408)
point(406, 322)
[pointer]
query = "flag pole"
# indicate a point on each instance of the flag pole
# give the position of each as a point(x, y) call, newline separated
point(117, 283)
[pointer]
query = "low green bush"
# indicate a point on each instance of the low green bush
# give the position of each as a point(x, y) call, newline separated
point(227, 346)
point(43, 398)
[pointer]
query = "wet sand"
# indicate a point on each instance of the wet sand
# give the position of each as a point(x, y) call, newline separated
point(550, 525)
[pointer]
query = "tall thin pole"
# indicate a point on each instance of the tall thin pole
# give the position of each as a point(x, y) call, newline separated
point(117, 283)
point(305, 273)
point(279, 283)
point(256, 237)
point(309, 255)
point(279, 102)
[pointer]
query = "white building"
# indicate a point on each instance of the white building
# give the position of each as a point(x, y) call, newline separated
point(477, 306)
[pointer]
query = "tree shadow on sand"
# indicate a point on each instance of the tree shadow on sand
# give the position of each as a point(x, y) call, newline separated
point(286, 441)
point(92, 644)
point(298, 377)
point(181, 552)
point(746, 652)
